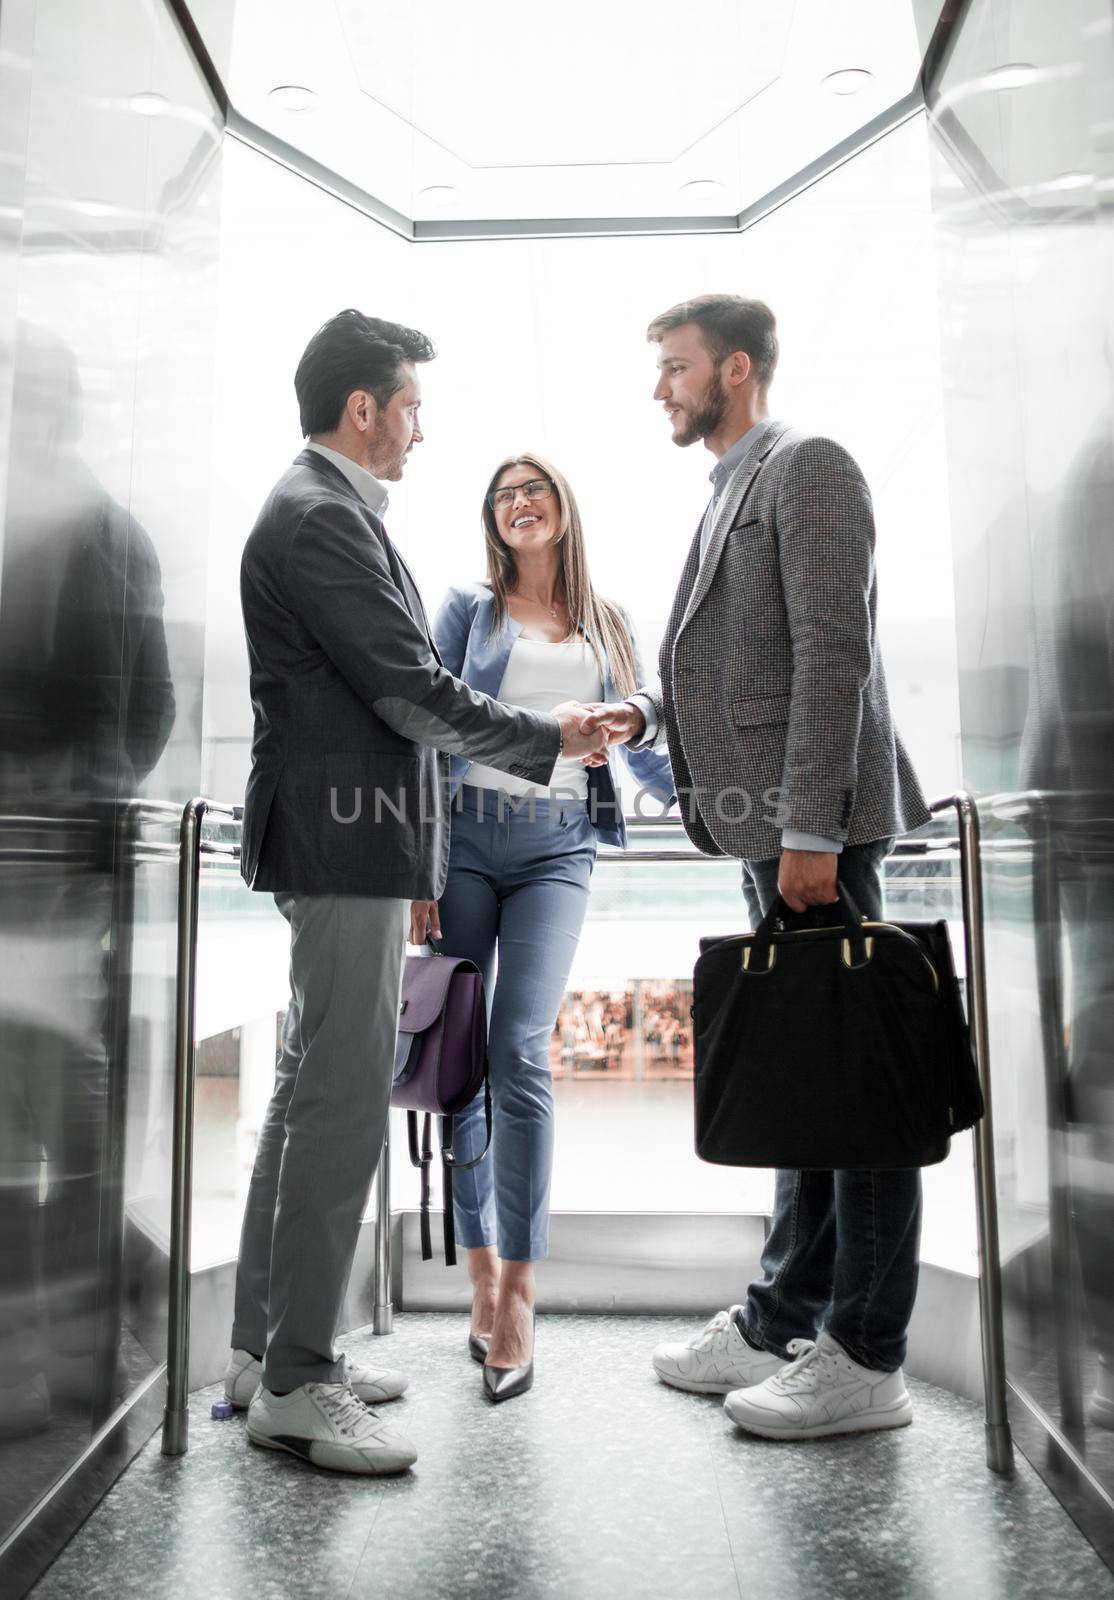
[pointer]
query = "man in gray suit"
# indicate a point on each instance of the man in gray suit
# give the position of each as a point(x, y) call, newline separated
point(772, 701)
point(344, 823)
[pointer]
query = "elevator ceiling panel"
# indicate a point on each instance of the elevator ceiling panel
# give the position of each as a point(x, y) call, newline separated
point(633, 108)
point(610, 86)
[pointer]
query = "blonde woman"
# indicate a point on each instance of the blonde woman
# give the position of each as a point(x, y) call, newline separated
point(535, 634)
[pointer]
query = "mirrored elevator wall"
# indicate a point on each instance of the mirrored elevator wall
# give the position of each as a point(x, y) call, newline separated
point(109, 221)
point(1023, 133)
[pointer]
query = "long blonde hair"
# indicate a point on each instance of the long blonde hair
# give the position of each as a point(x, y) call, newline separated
point(603, 623)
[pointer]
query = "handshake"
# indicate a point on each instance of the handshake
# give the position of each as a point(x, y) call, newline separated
point(588, 730)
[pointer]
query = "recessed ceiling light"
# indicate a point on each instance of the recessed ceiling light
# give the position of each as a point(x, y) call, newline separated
point(148, 104)
point(439, 194)
point(1014, 75)
point(293, 97)
point(702, 189)
point(850, 80)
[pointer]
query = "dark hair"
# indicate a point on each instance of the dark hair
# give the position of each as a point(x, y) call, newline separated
point(348, 352)
point(727, 323)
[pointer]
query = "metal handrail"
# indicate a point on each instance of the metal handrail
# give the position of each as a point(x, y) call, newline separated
point(193, 849)
point(175, 1426)
point(999, 1445)
point(383, 1311)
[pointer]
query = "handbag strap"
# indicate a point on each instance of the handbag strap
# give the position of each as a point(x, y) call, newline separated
point(449, 1163)
point(447, 1155)
point(779, 911)
point(449, 1220)
point(423, 1160)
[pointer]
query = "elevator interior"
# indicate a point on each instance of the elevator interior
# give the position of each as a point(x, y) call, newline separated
point(186, 191)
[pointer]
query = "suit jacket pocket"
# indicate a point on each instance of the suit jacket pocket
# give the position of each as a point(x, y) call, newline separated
point(759, 710)
point(372, 802)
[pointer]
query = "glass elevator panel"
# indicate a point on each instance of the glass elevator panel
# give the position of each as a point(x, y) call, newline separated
point(107, 321)
point(1023, 186)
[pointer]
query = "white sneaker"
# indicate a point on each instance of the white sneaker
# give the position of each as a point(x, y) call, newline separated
point(372, 1385)
point(242, 1378)
point(327, 1426)
point(822, 1391)
point(717, 1360)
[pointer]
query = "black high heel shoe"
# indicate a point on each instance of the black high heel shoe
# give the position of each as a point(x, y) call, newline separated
point(478, 1346)
point(503, 1383)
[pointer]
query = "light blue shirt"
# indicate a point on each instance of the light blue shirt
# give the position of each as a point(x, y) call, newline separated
point(719, 478)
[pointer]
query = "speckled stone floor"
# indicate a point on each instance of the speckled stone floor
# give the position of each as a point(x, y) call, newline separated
point(600, 1483)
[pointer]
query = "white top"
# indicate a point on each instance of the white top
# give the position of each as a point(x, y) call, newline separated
point(538, 677)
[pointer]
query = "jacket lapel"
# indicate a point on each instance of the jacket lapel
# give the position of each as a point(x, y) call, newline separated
point(487, 656)
point(411, 593)
point(403, 576)
point(734, 498)
point(684, 591)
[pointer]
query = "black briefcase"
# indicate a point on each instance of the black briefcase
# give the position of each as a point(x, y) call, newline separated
point(843, 1045)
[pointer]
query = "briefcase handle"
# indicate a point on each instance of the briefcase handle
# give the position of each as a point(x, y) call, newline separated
point(780, 913)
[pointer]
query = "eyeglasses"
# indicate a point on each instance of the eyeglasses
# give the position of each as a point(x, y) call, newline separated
point(536, 489)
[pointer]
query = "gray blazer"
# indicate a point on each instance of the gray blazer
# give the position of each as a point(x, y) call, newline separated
point(772, 697)
point(355, 713)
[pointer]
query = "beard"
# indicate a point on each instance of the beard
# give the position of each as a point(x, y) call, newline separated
point(388, 451)
point(707, 415)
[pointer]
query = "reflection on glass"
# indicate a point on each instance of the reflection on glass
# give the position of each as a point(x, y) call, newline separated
point(86, 709)
point(1027, 254)
point(1067, 764)
point(107, 344)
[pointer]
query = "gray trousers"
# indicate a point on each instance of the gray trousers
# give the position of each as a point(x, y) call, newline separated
point(322, 1134)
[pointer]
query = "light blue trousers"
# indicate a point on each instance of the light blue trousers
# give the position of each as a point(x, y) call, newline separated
point(514, 904)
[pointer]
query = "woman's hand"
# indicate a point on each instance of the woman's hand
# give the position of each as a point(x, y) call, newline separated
point(425, 923)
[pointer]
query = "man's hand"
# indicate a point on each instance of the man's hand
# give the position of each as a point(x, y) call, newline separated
point(425, 922)
point(807, 878)
point(621, 720)
point(581, 731)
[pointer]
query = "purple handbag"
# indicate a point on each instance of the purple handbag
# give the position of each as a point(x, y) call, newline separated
point(440, 1067)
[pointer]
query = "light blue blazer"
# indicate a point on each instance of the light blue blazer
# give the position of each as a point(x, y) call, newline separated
point(462, 631)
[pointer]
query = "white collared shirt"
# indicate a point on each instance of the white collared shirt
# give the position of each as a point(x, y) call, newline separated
point(367, 486)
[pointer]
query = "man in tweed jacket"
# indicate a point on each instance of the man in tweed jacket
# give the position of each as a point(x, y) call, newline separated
point(772, 701)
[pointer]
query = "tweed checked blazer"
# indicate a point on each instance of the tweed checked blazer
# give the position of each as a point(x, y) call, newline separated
point(772, 696)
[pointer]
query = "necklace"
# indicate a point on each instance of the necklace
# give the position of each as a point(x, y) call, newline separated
point(554, 611)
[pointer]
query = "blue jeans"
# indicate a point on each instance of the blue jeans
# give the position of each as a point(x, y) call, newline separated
point(517, 885)
point(842, 1249)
